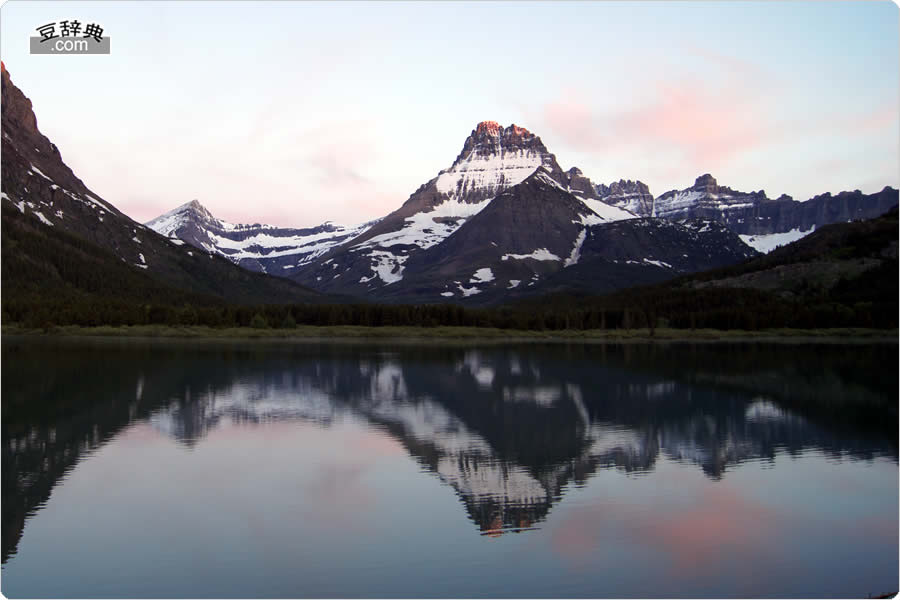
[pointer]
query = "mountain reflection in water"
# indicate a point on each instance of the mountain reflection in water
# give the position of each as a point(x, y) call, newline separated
point(508, 428)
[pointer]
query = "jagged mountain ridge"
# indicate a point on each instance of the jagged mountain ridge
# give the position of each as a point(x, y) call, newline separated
point(256, 247)
point(761, 222)
point(634, 196)
point(754, 214)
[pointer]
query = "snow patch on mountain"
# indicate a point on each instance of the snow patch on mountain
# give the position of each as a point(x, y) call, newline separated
point(543, 175)
point(658, 263)
point(493, 172)
point(427, 229)
point(767, 242)
point(482, 276)
point(386, 266)
point(603, 212)
point(468, 291)
point(38, 171)
point(42, 218)
point(576, 249)
point(539, 254)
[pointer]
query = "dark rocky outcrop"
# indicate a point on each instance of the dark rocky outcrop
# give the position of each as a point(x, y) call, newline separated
point(630, 195)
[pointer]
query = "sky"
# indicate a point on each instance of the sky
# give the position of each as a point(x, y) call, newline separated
point(296, 113)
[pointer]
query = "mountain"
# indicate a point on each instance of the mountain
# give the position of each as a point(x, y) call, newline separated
point(761, 222)
point(504, 220)
point(504, 216)
point(265, 248)
point(493, 159)
point(63, 241)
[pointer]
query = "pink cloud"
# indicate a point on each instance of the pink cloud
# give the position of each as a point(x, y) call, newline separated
point(711, 124)
point(722, 117)
point(704, 122)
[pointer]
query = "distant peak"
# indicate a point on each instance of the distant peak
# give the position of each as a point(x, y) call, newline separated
point(705, 181)
point(494, 158)
point(488, 127)
point(192, 206)
point(519, 131)
point(495, 129)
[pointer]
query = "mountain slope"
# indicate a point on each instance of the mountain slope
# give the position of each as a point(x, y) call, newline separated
point(842, 275)
point(826, 260)
point(44, 200)
point(642, 251)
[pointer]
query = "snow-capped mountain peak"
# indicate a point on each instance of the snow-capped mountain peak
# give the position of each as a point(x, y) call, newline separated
point(494, 158)
point(169, 223)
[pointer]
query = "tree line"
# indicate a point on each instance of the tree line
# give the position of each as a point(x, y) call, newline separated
point(713, 308)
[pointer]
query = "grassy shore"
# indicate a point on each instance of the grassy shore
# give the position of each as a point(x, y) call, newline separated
point(457, 333)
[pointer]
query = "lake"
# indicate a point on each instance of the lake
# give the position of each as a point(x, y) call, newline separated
point(344, 469)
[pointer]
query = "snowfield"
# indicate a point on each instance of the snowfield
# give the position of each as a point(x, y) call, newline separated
point(768, 242)
point(539, 254)
point(422, 230)
point(482, 276)
point(490, 173)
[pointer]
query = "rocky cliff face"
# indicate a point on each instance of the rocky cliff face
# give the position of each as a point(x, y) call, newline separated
point(579, 184)
point(494, 158)
point(754, 214)
point(786, 214)
point(629, 195)
point(705, 199)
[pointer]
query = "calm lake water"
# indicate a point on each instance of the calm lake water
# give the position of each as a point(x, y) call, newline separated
point(250, 469)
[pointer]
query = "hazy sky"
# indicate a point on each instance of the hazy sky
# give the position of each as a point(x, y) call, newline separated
point(294, 113)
